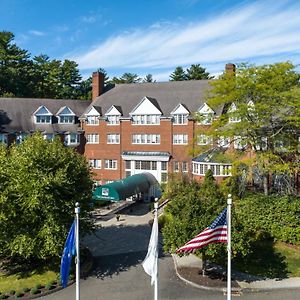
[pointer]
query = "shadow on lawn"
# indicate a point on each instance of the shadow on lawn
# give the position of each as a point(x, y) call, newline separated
point(265, 261)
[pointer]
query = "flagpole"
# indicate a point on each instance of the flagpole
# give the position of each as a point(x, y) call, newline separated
point(77, 211)
point(156, 283)
point(229, 202)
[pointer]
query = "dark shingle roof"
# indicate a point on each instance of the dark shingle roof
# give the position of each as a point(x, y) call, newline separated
point(16, 114)
point(167, 95)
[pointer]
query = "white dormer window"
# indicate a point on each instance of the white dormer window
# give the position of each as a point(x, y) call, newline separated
point(113, 120)
point(146, 119)
point(72, 139)
point(65, 116)
point(42, 115)
point(92, 120)
point(92, 117)
point(48, 136)
point(233, 117)
point(113, 115)
point(206, 115)
point(146, 113)
point(180, 115)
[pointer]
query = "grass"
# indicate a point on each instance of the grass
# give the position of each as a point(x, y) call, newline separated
point(16, 282)
point(271, 260)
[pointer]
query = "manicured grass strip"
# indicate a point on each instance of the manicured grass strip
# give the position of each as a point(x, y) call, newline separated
point(16, 282)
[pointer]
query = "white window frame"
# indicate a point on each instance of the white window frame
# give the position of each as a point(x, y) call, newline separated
point(184, 166)
point(180, 119)
point(113, 120)
point(239, 143)
point(43, 119)
point(141, 138)
point(224, 142)
point(95, 163)
point(70, 119)
point(92, 120)
point(203, 139)
point(69, 140)
point(20, 137)
point(4, 138)
point(219, 170)
point(145, 119)
point(180, 139)
point(113, 138)
point(47, 135)
point(111, 164)
point(92, 138)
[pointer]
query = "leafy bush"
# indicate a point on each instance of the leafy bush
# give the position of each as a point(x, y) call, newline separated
point(12, 292)
point(19, 294)
point(26, 290)
point(49, 286)
point(34, 291)
point(3, 296)
point(38, 286)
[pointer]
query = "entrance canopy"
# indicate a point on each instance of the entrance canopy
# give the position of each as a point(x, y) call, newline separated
point(124, 188)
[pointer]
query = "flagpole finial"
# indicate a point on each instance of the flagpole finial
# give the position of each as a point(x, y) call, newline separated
point(229, 199)
point(77, 208)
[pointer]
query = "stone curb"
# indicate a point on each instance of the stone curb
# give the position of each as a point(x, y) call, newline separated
point(241, 289)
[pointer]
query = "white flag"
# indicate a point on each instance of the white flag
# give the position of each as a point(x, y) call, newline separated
point(150, 261)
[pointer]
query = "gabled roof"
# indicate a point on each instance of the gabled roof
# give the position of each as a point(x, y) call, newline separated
point(205, 109)
point(92, 111)
point(41, 111)
point(191, 94)
point(146, 106)
point(180, 109)
point(114, 110)
point(16, 114)
point(65, 111)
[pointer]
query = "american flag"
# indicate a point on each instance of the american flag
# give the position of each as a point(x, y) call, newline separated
point(215, 233)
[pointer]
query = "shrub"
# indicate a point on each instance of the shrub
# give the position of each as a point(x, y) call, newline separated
point(38, 286)
point(34, 291)
point(19, 294)
point(26, 290)
point(12, 292)
point(53, 282)
point(49, 286)
point(3, 296)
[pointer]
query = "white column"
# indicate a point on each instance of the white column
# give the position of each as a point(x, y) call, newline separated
point(77, 211)
point(229, 202)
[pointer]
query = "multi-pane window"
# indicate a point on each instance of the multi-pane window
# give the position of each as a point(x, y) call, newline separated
point(113, 138)
point(146, 119)
point(3, 138)
point(145, 165)
point(239, 143)
point(180, 119)
point(113, 120)
point(224, 142)
point(145, 138)
point(95, 163)
point(205, 118)
point(127, 164)
point(217, 170)
point(164, 166)
point(184, 166)
point(72, 139)
point(43, 119)
point(92, 120)
point(176, 166)
point(111, 164)
point(181, 139)
point(48, 136)
point(203, 139)
point(66, 119)
point(92, 138)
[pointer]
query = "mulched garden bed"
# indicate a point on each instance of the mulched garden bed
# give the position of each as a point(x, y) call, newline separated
point(212, 279)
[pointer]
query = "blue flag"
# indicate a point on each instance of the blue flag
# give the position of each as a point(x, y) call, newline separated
point(69, 251)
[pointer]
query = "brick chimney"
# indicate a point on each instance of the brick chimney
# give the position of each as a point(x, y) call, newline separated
point(230, 68)
point(97, 84)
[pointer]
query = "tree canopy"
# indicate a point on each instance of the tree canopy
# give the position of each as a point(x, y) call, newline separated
point(39, 77)
point(261, 114)
point(40, 182)
point(127, 78)
point(195, 72)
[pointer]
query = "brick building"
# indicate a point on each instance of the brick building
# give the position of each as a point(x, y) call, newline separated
point(149, 127)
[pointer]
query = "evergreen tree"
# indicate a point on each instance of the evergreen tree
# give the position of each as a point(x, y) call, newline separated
point(127, 78)
point(178, 75)
point(196, 72)
point(149, 78)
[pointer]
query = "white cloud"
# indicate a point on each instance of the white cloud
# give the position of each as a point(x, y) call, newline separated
point(245, 33)
point(36, 32)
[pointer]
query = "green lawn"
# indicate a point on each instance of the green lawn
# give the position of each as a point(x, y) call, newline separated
point(18, 283)
point(271, 260)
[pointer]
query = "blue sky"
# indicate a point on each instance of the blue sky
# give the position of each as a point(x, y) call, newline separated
point(155, 36)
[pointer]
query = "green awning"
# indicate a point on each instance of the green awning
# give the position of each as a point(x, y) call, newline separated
point(124, 188)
